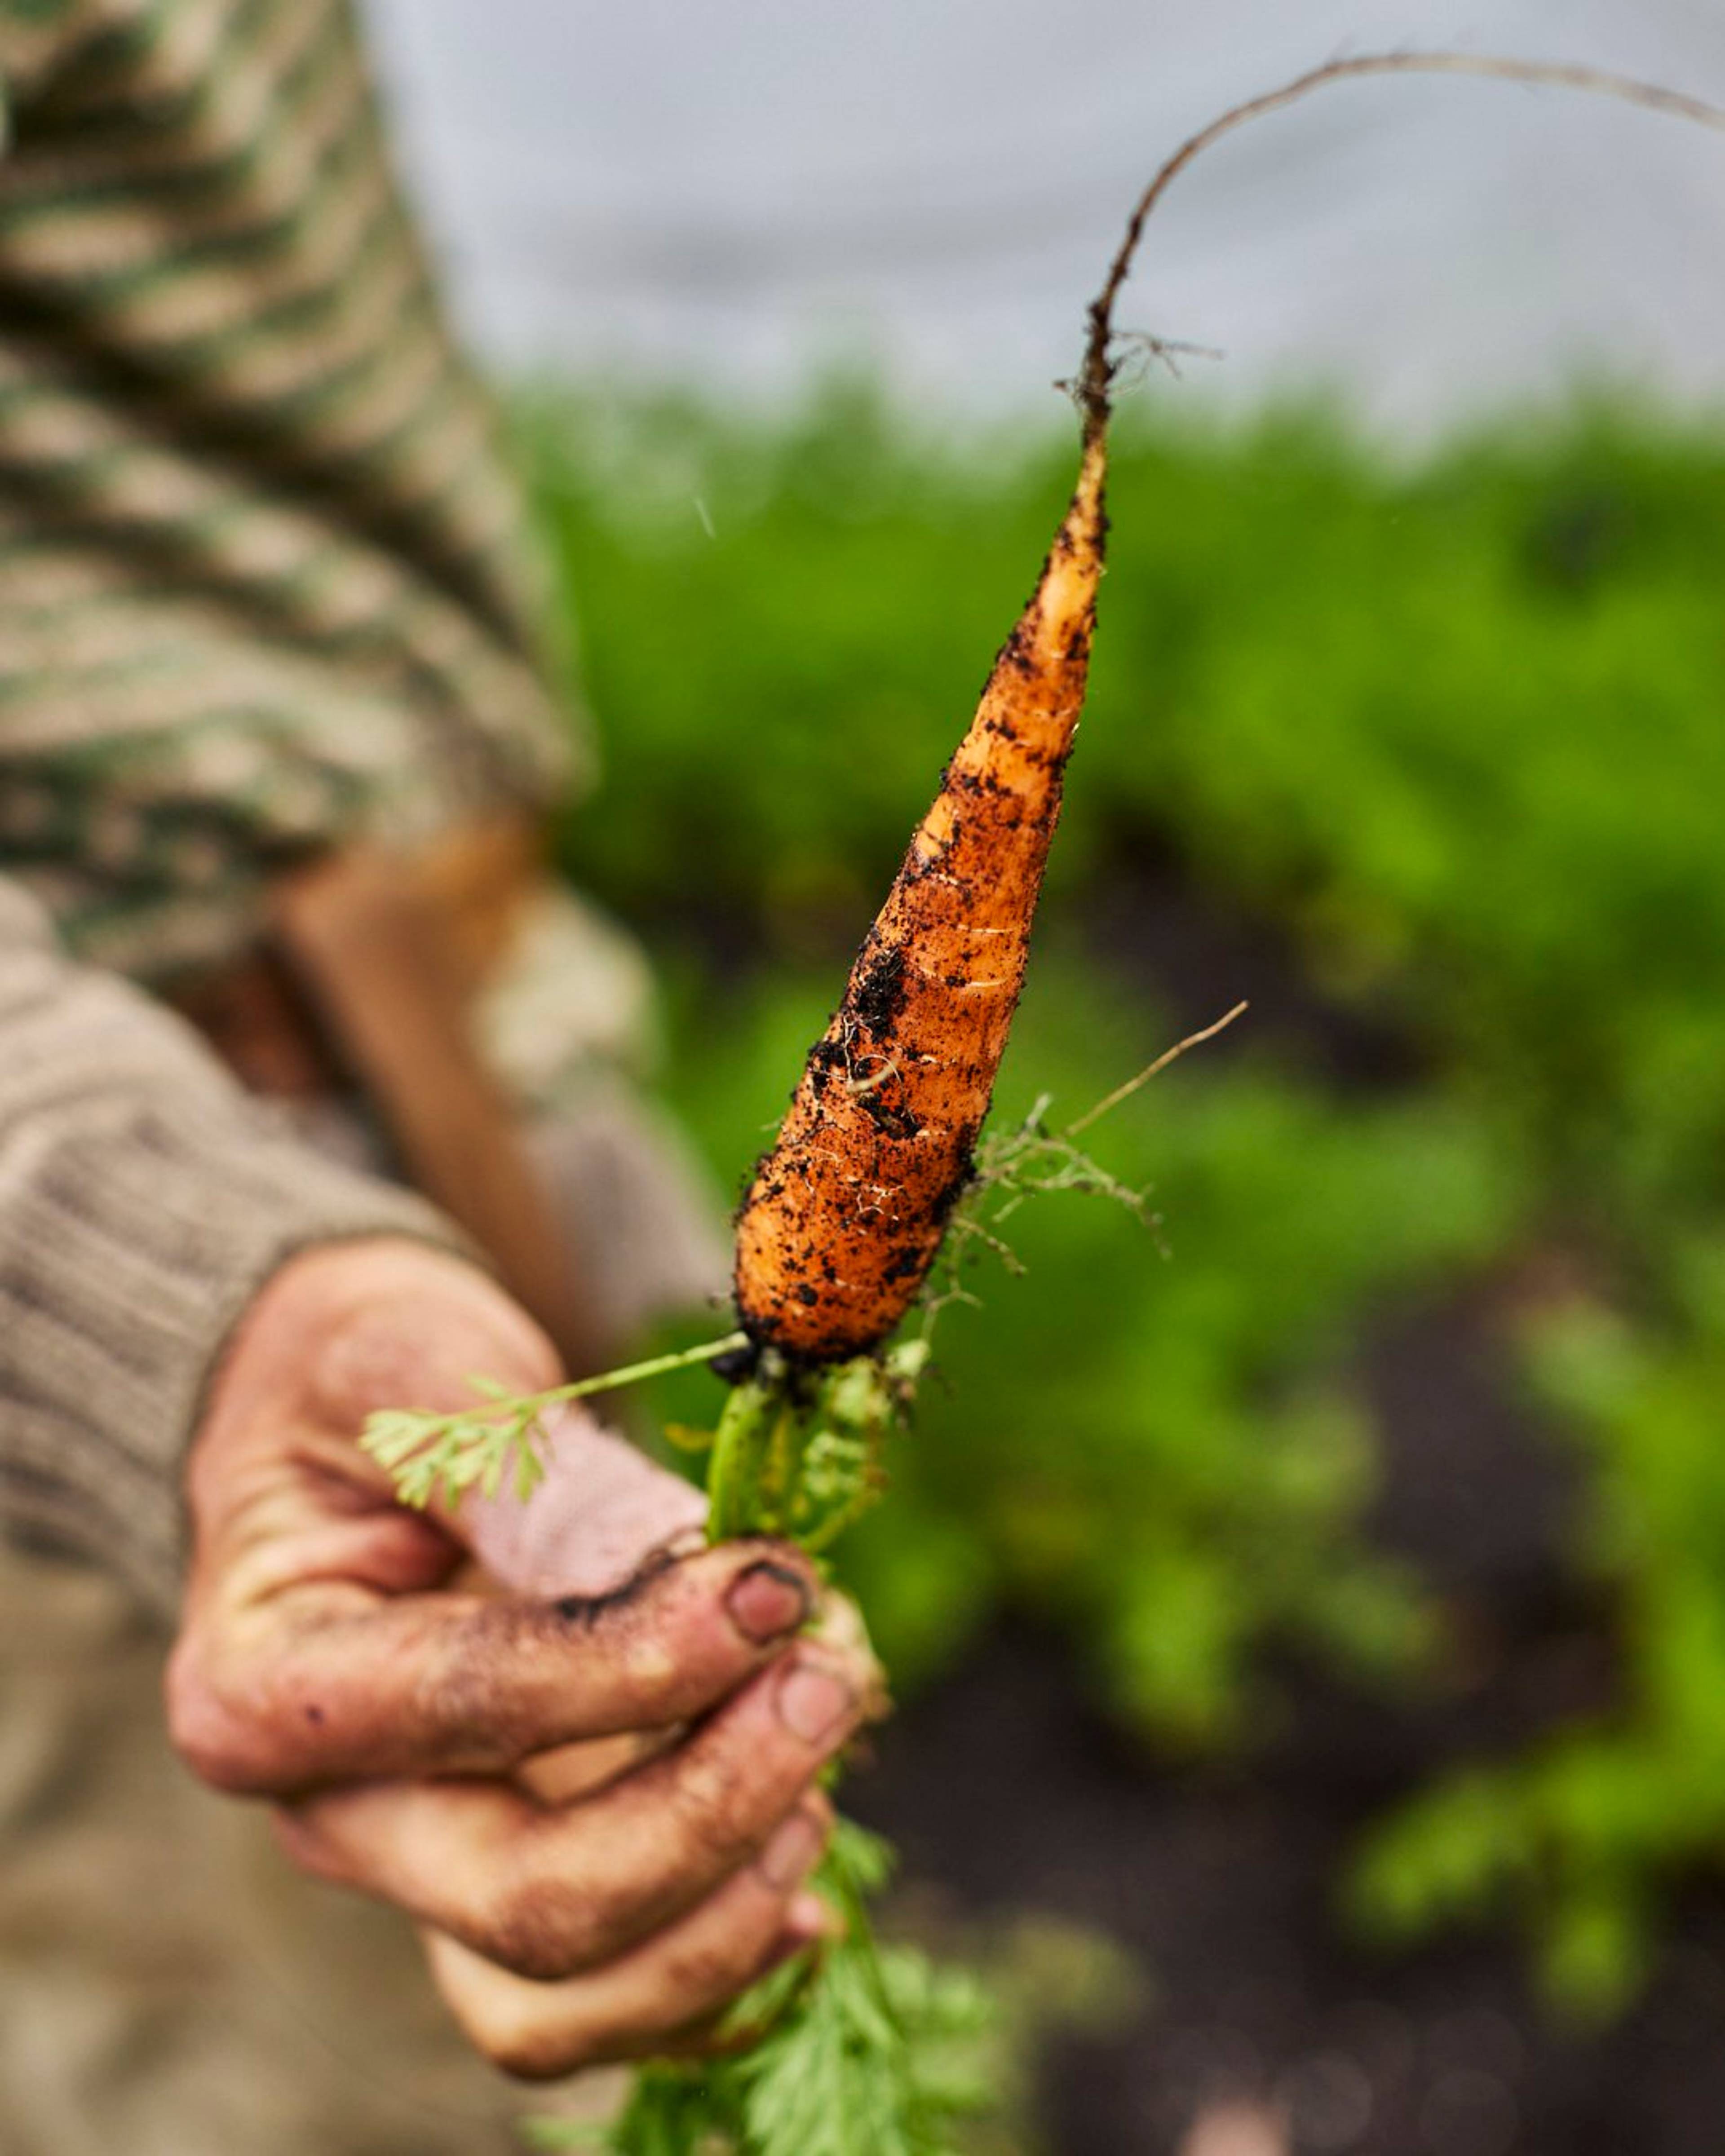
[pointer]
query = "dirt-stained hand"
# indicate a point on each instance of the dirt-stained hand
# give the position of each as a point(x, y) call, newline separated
point(579, 1751)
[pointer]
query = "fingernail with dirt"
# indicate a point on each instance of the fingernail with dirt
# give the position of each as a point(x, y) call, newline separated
point(790, 1855)
point(767, 1602)
point(815, 1703)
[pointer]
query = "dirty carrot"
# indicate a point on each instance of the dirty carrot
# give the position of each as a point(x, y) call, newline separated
point(847, 1211)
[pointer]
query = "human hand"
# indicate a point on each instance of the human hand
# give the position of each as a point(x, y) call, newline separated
point(601, 1808)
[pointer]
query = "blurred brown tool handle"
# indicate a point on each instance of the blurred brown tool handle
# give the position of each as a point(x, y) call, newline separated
point(377, 958)
point(391, 951)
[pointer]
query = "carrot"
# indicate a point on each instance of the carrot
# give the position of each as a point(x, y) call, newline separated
point(846, 1212)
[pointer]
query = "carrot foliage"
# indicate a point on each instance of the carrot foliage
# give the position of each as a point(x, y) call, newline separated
point(875, 2054)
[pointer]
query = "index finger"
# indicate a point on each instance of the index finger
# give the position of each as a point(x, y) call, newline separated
point(337, 1685)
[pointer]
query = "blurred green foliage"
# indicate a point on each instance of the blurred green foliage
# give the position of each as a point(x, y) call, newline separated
point(1451, 737)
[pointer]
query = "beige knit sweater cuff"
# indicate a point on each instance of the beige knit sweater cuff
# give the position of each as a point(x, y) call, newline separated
point(144, 1200)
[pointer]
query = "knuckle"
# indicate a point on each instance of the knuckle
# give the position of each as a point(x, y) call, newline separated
point(538, 1929)
point(220, 1740)
point(701, 1977)
point(532, 2055)
point(467, 1695)
point(525, 2049)
point(714, 1815)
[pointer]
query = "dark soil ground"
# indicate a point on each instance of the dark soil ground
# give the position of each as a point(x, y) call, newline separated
point(1007, 1786)
point(1003, 1787)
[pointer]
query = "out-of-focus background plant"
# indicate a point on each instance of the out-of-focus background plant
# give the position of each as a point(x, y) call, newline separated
point(1430, 763)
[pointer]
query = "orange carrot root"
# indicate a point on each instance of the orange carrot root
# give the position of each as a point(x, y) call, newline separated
point(847, 1211)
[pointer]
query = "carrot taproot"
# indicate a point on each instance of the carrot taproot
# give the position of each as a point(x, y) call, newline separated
point(846, 1212)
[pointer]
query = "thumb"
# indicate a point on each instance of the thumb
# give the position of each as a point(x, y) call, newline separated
point(601, 1509)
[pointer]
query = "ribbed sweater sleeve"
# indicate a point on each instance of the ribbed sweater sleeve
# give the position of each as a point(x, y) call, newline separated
point(144, 1200)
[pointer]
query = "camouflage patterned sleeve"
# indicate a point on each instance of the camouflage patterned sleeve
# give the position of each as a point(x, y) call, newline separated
point(144, 1200)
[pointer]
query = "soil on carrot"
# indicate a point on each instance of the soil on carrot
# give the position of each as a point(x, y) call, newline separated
point(1006, 1787)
